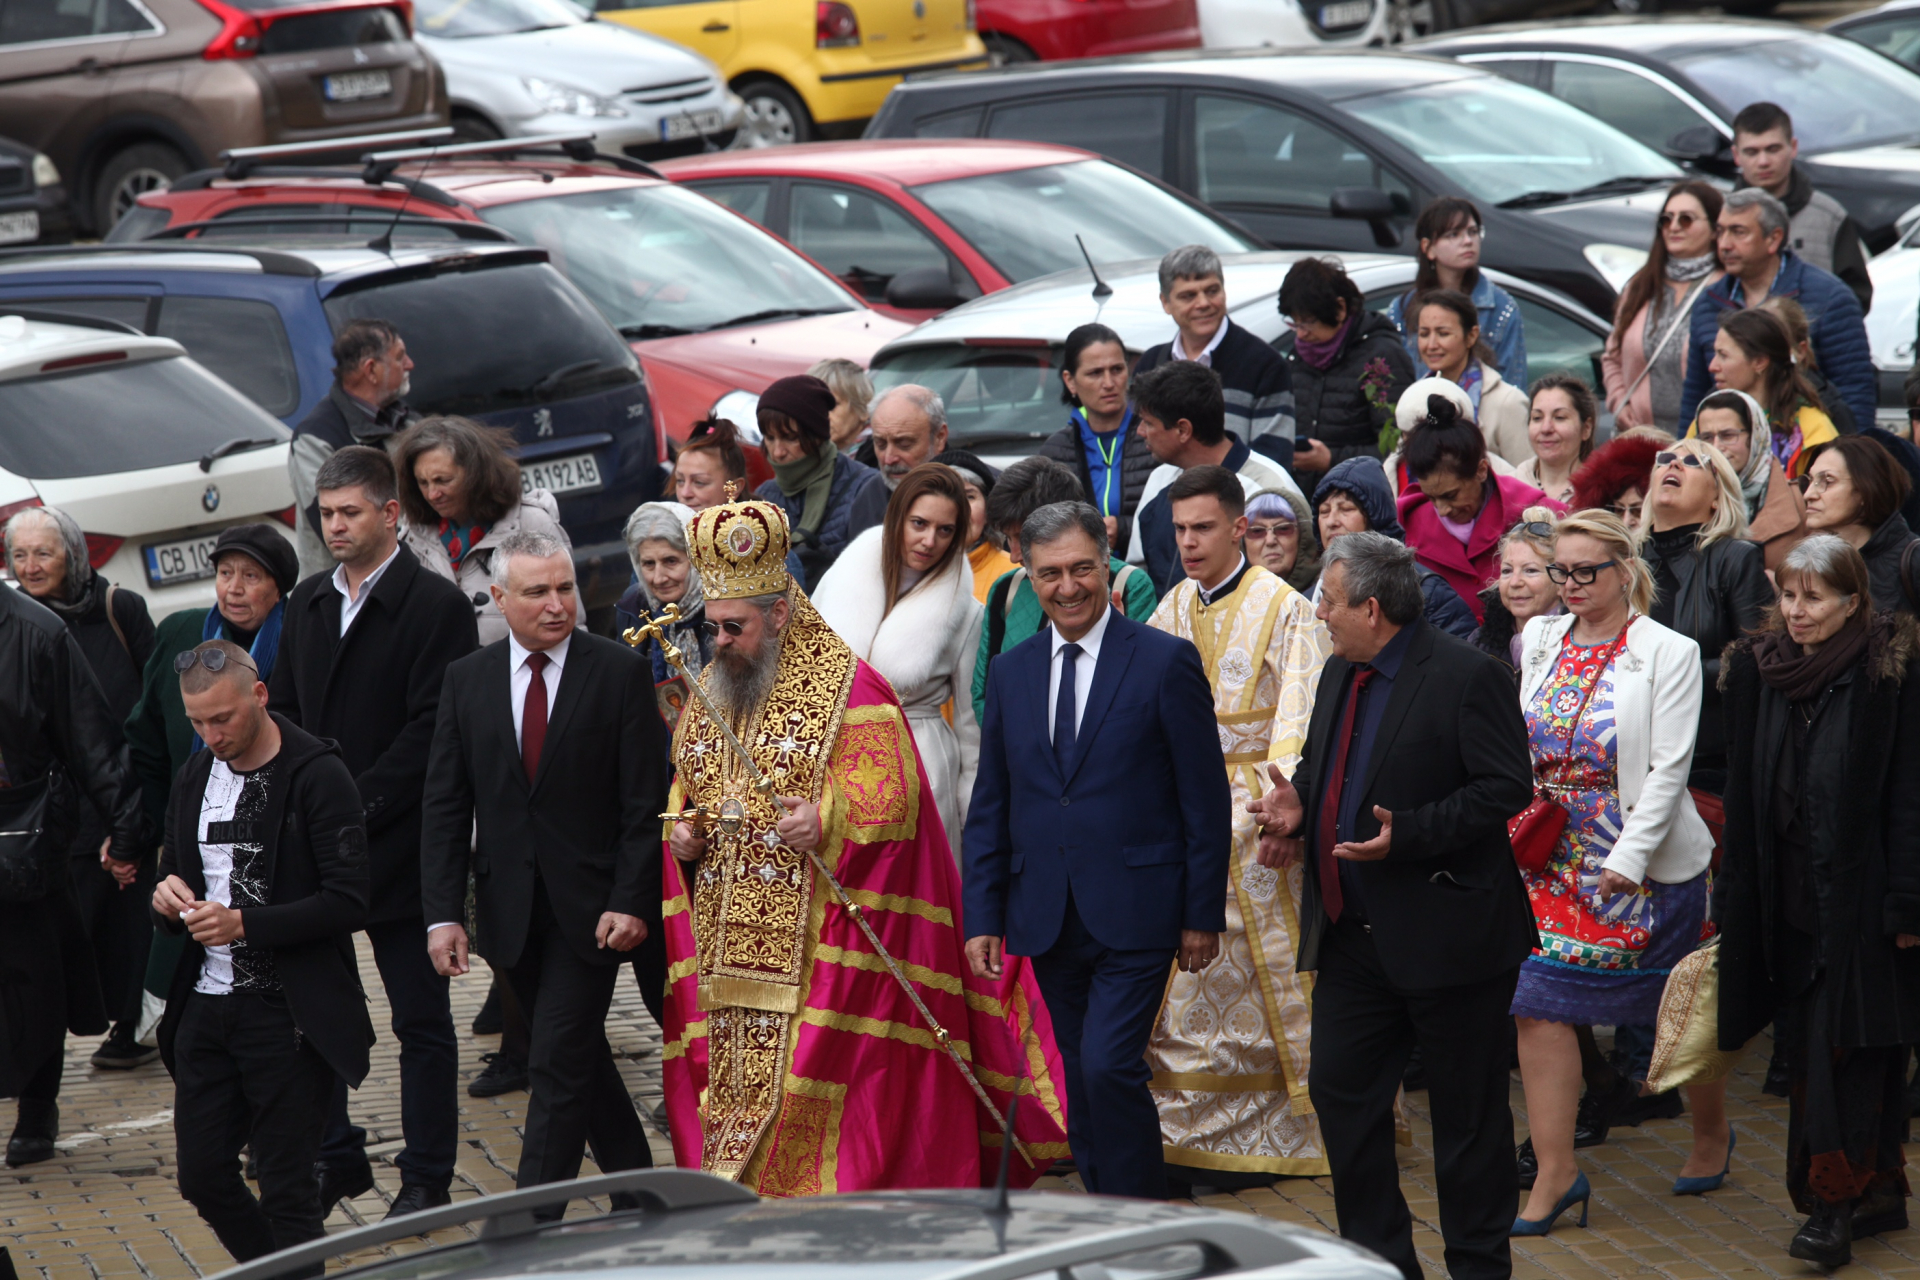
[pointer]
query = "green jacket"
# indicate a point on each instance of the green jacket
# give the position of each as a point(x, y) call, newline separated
point(159, 739)
point(1024, 618)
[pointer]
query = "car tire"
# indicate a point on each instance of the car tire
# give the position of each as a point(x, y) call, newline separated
point(468, 127)
point(1005, 49)
point(129, 173)
point(774, 116)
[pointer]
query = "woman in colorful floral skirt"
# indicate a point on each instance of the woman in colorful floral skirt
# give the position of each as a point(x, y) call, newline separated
point(1612, 702)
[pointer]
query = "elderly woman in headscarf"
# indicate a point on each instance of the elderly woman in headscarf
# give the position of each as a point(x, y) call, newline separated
point(1734, 423)
point(656, 537)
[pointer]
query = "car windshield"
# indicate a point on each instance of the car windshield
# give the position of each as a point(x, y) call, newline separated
point(997, 394)
point(660, 260)
point(1840, 94)
point(545, 342)
point(1024, 221)
point(459, 19)
point(122, 417)
point(1506, 144)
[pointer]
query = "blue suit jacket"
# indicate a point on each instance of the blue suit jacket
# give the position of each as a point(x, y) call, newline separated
point(1140, 828)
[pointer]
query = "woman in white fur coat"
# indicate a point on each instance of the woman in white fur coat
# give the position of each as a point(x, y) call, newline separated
point(901, 596)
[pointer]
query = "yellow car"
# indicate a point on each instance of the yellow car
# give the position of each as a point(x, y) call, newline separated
point(811, 70)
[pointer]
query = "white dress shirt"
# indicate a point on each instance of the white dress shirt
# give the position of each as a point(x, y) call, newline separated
point(1205, 358)
point(349, 602)
point(1082, 670)
point(520, 676)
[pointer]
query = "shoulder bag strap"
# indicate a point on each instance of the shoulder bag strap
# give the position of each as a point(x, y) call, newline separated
point(1613, 651)
point(121, 635)
point(1680, 318)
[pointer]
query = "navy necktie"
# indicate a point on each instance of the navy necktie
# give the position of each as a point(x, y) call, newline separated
point(1065, 731)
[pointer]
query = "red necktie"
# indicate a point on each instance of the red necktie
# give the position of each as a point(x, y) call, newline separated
point(1331, 895)
point(533, 715)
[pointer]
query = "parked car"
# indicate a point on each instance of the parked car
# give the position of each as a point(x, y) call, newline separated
point(1892, 28)
point(1676, 84)
point(693, 1224)
point(126, 95)
point(520, 67)
point(154, 455)
point(1894, 322)
point(996, 360)
point(1337, 151)
point(33, 202)
point(920, 226)
point(810, 71)
point(713, 305)
point(1051, 30)
point(1307, 24)
point(494, 331)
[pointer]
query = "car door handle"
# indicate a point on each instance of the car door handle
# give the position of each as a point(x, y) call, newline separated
point(718, 26)
point(86, 66)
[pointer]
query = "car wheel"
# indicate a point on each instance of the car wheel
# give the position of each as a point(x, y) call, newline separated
point(774, 116)
point(128, 174)
point(1005, 49)
point(472, 128)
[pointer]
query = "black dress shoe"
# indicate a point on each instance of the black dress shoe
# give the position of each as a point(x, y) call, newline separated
point(121, 1052)
point(1652, 1106)
point(415, 1196)
point(337, 1184)
point(33, 1132)
point(503, 1075)
point(489, 1021)
point(1882, 1209)
point(1827, 1238)
point(1527, 1164)
point(1779, 1081)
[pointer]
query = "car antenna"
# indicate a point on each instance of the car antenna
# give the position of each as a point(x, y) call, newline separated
point(383, 243)
point(1101, 289)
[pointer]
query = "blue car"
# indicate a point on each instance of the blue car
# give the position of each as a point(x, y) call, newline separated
point(495, 332)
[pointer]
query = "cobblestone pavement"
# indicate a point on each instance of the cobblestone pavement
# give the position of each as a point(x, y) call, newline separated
point(107, 1204)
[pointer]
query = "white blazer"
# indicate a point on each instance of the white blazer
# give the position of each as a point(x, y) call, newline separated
point(1657, 687)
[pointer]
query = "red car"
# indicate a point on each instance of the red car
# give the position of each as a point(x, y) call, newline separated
point(921, 225)
point(1049, 30)
point(714, 306)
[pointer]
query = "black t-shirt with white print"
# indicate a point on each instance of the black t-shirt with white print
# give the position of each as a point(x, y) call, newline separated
point(233, 855)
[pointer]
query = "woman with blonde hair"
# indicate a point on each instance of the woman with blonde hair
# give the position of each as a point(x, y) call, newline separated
point(852, 401)
point(1612, 703)
point(1521, 591)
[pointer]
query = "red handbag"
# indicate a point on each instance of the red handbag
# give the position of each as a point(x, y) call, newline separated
point(1536, 829)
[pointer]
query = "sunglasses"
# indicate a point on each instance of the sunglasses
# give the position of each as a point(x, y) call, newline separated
point(732, 628)
point(1580, 575)
point(1680, 220)
point(1533, 529)
point(1667, 457)
point(214, 660)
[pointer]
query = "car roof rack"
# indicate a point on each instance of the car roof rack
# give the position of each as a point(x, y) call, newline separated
point(40, 315)
point(577, 147)
point(460, 228)
point(238, 162)
point(271, 261)
point(508, 1214)
point(201, 179)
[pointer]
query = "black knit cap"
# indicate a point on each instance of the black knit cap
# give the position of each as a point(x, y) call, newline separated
point(805, 399)
point(264, 545)
point(971, 463)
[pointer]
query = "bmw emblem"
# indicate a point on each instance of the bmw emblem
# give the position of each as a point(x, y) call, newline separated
point(211, 499)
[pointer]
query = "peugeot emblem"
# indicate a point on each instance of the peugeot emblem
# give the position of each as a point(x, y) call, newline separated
point(919, 8)
point(211, 499)
point(543, 422)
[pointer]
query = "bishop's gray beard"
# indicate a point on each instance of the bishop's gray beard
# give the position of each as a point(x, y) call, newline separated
point(741, 683)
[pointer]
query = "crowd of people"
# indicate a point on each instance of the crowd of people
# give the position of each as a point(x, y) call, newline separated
point(1303, 723)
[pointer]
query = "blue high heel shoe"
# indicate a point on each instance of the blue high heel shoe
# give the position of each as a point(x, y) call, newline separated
point(1579, 1193)
point(1700, 1186)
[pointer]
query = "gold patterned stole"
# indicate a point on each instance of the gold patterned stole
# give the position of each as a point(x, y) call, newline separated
point(1234, 671)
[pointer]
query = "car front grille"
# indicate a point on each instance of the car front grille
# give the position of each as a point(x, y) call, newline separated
point(14, 179)
point(674, 91)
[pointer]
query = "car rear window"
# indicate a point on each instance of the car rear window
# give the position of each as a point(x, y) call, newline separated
point(331, 29)
point(994, 394)
point(494, 338)
point(241, 340)
point(125, 417)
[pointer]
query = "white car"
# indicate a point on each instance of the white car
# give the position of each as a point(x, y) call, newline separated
point(1893, 323)
point(150, 452)
point(521, 67)
point(1302, 24)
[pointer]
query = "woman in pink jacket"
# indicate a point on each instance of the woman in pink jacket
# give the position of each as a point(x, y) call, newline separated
point(1645, 361)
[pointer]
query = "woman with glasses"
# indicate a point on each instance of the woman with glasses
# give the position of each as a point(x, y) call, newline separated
point(1523, 591)
point(1645, 360)
point(1816, 898)
point(1753, 352)
point(1734, 423)
point(1280, 537)
point(1449, 235)
point(1348, 366)
point(1561, 418)
point(1854, 489)
point(1448, 334)
point(1612, 702)
point(901, 596)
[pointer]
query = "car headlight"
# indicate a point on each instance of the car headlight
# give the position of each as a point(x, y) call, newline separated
point(742, 409)
point(45, 172)
point(1616, 263)
point(565, 100)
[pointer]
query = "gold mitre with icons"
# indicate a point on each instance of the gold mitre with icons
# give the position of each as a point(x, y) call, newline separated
point(740, 549)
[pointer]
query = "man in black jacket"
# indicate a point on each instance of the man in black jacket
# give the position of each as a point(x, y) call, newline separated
point(1413, 911)
point(264, 864)
point(365, 405)
point(363, 653)
point(552, 738)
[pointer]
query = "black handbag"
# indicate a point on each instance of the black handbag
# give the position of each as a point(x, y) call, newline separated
point(33, 841)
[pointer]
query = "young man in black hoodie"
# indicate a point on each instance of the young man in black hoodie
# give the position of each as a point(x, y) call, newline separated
point(264, 865)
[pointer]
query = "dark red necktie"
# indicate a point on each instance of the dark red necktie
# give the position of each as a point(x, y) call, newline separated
point(1331, 895)
point(533, 715)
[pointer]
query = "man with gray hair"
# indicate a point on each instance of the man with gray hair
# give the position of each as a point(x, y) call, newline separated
point(1253, 377)
point(566, 860)
point(909, 428)
point(1412, 909)
point(1751, 238)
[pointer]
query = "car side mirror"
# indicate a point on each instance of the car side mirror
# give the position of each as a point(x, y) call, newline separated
point(1370, 205)
point(923, 289)
point(1701, 144)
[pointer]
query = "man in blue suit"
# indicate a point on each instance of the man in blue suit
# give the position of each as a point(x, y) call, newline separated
point(1103, 862)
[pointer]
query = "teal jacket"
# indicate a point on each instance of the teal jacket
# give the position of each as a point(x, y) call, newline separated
point(1012, 597)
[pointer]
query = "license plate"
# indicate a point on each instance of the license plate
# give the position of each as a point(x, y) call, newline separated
point(188, 560)
point(17, 228)
point(1349, 13)
point(576, 473)
point(688, 124)
point(354, 86)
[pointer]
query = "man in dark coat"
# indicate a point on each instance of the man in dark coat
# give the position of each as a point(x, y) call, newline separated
point(365, 405)
point(363, 653)
point(264, 866)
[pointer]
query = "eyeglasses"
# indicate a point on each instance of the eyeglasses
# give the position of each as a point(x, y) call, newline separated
point(1465, 233)
point(1681, 220)
point(1261, 532)
point(1667, 457)
point(1581, 574)
point(214, 660)
point(1533, 529)
point(1814, 484)
point(732, 628)
point(1627, 511)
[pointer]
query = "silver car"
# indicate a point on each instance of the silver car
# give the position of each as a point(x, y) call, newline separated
point(520, 67)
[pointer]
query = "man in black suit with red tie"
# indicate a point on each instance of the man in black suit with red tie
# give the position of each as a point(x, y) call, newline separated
point(552, 740)
point(1413, 912)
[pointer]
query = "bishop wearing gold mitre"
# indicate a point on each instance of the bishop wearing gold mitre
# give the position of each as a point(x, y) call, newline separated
point(797, 1061)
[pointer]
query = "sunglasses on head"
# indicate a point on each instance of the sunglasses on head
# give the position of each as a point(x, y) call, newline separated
point(1667, 457)
point(1533, 529)
point(214, 660)
point(731, 627)
point(1682, 220)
